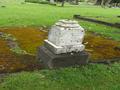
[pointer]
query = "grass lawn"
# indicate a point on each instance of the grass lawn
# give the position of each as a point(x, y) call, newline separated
point(16, 14)
point(90, 77)
point(110, 32)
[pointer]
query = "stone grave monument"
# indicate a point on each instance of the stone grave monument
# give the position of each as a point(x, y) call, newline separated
point(64, 46)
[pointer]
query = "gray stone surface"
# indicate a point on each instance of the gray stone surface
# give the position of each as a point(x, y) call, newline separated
point(51, 60)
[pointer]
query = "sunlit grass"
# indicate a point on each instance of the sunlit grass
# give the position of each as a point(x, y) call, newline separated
point(28, 14)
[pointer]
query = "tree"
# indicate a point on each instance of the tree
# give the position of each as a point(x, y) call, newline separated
point(106, 2)
point(63, 2)
point(115, 3)
point(77, 2)
point(98, 2)
point(103, 2)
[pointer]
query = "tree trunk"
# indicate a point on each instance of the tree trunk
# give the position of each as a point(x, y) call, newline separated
point(108, 2)
point(63, 2)
point(98, 2)
point(102, 3)
point(77, 2)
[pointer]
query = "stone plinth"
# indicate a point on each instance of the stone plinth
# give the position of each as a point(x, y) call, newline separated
point(63, 49)
point(51, 60)
point(64, 46)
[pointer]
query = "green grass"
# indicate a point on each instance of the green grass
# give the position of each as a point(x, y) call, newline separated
point(90, 77)
point(16, 14)
point(107, 31)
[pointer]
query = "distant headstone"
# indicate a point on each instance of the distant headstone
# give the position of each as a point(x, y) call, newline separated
point(64, 45)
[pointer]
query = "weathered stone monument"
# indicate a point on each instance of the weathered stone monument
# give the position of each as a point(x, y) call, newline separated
point(64, 46)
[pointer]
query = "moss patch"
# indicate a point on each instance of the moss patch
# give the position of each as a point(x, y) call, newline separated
point(10, 62)
point(101, 48)
point(29, 39)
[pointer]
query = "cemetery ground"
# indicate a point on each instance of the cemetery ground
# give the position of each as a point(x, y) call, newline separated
point(24, 26)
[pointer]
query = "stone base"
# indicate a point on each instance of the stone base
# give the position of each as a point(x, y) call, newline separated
point(66, 49)
point(51, 60)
